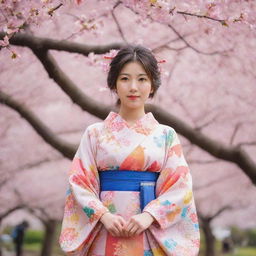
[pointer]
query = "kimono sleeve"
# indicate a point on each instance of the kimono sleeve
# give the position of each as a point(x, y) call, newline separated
point(84, 178)
point(83, 208)
point(174, 197)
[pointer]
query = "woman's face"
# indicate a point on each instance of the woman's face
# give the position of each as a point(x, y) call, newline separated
point(133, 86)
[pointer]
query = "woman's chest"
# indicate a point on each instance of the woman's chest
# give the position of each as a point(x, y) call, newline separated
point(131, 150)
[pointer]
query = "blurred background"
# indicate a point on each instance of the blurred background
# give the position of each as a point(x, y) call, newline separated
point(53, 67)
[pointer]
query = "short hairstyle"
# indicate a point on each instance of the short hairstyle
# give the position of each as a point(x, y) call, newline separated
point(132, 53)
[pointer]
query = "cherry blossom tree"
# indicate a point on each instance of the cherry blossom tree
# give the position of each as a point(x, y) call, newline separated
point(53, 84)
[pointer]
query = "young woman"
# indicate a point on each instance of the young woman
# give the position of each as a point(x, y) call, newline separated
point(130, 187)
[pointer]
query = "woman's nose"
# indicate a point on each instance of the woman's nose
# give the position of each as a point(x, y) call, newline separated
point(133, 85)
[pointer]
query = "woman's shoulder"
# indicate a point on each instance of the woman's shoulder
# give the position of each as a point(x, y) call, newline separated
point(92, 131)
point(94, 127)
point(97, 125)
point(166, 128)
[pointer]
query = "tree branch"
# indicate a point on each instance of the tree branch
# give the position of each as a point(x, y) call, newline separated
point(41, 43)
point(116, 21)
point(221, 210)
point(166, 44)
point(118, 26)
point(191, 161)
point(9, 211)
point(42, 215)
point(192, 47)
point(209, 218)
point(216, 181)
point(11, 173)
point(237, 126)
point(248, 143)
point(182, 38)
point(205, 124)
point(67, 149)
point(233, 154)
point(221, 21)
point(65, 83)
point(217, 149)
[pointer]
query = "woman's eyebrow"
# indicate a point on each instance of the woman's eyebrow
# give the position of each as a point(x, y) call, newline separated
point(126, 74)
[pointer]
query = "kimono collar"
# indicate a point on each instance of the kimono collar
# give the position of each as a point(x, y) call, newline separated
point(145, 125)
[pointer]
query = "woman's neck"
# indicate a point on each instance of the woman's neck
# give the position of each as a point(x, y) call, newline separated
point(131, 115)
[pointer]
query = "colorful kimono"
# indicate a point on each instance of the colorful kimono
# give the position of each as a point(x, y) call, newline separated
point(144, 146)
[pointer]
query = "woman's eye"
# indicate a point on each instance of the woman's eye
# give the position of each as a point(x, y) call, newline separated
point(142, 79)
point(124, 78)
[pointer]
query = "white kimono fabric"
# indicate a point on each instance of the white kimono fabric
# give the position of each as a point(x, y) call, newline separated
point(144, 146)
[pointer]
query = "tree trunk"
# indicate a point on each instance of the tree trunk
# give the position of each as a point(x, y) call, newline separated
point(209, 238)
point(49, 237)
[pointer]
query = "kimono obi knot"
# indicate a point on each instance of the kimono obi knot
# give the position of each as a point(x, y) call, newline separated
point(128, 180)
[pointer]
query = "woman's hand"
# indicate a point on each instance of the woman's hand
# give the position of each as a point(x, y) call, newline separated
point(113, 223)
point(137, 224)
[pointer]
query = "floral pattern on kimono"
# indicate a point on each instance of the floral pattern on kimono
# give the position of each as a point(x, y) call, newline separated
point(144, 146)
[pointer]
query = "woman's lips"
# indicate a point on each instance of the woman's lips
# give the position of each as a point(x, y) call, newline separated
point(133, 97)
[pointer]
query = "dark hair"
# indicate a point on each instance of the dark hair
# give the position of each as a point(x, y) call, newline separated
point(25, 223)
point(133, 53)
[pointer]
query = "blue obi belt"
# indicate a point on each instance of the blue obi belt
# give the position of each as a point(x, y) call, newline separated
point(127, 180)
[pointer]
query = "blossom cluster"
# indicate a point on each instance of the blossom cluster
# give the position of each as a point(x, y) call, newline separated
point(19, 15)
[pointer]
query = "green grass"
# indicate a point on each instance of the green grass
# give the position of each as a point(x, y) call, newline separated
point(33, 240)
point(34, 236)
point(247, 251)
point(242, 251)
point(33, 247)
